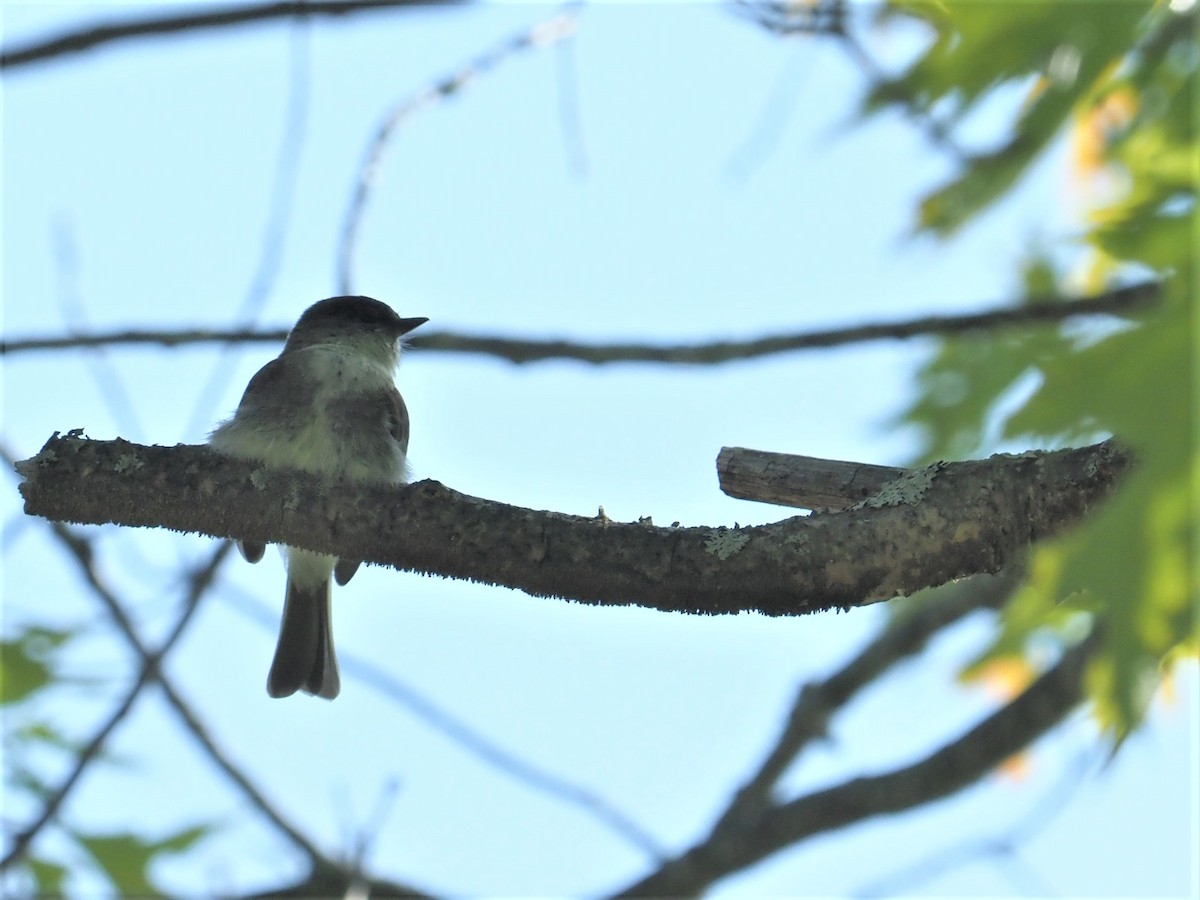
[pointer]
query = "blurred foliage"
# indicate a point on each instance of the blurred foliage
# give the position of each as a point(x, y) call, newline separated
point(1119, 81)
point(30, 667)
point(26, 662)
point(126, 858)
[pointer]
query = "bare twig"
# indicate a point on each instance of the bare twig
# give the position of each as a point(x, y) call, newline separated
point(1118, 301)
point(934, 129)
point(1002, 847)
point(151, 670)
point(816, 702)
point(234, 774)
point(786, 18)
point(561, 789)
point(570, 121)
point(53, 801)
point(80, 39)
point(81, 550)
point(802, 482)
point(283, 188)
point(136, 337)
point(74, 313)
point(829, 17)
point(772, 118)
point(947, 770)
point(543, 34)
point(474, 742)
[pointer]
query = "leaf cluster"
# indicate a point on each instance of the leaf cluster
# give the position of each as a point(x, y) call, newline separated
point(1118, 80)
point(30, 666)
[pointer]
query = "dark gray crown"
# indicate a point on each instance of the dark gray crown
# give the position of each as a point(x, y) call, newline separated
point(357, 311)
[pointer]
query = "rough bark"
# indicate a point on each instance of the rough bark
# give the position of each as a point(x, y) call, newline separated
point(925, 528)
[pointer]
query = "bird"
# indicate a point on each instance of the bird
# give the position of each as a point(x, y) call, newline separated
point(327, 405)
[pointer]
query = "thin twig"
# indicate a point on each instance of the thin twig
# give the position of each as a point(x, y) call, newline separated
point(283, 189)
point(937, 132)
point(816, 702)
point(787, 19)
point(947, 770)
point(801, 482)
point(53, 800)
point(151, 670)
point(479, 745)
point(543, 34)
point(200, 582)
point(829, 17)
point(135, 337)
point(80, 39)
point(1119, 301)
point(1043, 813)
point(467, 737)
point(570, 121)
point(234, 774)
point(73, 310)
point(151, 661)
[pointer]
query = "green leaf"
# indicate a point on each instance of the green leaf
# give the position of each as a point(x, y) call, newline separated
point(46, 735)
point(1060, 54)
point(126, 858)
point(961, 388)
point(1129, 563)
point(183, 840)
point(1133, 554)
point(25, 662)
point(48, 877)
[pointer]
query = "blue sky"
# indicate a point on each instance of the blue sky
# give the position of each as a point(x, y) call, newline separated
point(137, 182)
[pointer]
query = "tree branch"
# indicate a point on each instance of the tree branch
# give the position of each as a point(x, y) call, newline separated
point(150, 670)
point(931, 526)
point(52, 801)
point(544, 33)
point(200, 580)
point(817, 702)
point(955, 766)
point(1119, 301)
point(803, 482)
point(81, 39)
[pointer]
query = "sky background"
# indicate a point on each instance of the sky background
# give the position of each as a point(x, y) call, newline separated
point(671, 174)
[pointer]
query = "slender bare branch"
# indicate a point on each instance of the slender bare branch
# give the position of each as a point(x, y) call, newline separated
point(817, 702)
point(275, 225)
point(829, 17)
point(77, 40)
point(135, 337)
point(542, 34)
point(151, 670)
point(906, 880)
point(559, 788)
point(234, 774)
point(52, 802)
point(1118, 301)
point(471, 739)
point(73, 309)
point(936, 131)
point(802, 482)
point(338, 883)
point(931, 526)
point(825, 17)
point(81, 550)
point(959, 764)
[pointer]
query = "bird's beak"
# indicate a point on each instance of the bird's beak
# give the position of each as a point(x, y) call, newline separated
point(407, 325)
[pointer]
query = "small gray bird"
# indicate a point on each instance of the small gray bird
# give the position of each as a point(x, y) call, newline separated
point(326, 405)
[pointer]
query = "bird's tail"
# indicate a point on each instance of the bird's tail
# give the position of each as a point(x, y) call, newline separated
point(304, 658)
